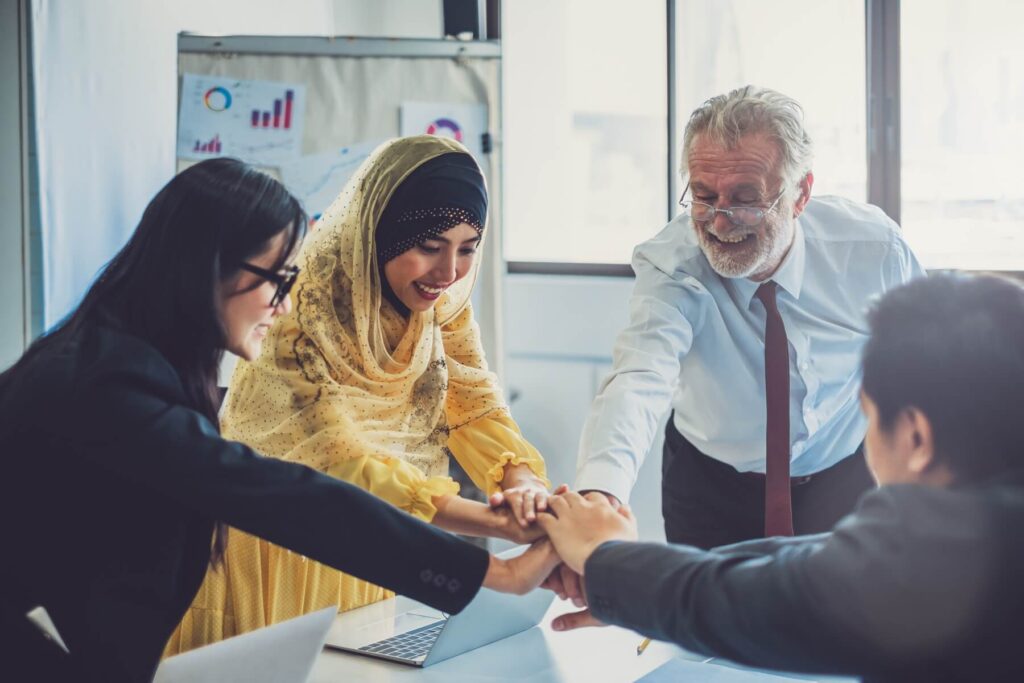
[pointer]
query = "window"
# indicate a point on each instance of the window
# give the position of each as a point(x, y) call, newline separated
point(811, 51)
point(585, 128)
point(962, 111)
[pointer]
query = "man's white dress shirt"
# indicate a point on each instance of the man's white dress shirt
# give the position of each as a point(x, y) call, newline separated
point(695, 342)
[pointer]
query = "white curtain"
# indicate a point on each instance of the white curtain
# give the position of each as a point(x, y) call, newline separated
point(105, 79)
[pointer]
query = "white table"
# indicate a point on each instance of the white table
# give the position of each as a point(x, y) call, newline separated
point(594, 655)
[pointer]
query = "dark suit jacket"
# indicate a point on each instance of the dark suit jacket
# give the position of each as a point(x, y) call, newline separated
point(111, 485)
point(918, 583)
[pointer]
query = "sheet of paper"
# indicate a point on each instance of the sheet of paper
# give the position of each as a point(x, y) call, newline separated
point(708, 672)
point(317, 179)
point(282, 652)
point(260, 122)
point(463, 122)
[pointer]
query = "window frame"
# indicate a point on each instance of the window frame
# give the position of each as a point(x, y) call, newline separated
point(882, 33)
point(882, 97)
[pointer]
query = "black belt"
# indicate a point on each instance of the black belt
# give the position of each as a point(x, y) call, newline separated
point(793, 481)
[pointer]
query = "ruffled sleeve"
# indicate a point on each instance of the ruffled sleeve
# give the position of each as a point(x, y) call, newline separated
point(487, 445)
point(396, 481)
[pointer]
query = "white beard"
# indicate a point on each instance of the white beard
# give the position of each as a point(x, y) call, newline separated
point(762, 253)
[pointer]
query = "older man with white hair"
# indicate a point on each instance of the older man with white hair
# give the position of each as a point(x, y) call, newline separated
point(747, 319)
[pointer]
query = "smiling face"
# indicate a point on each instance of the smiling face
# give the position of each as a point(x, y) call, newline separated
point(420, 275)
point(245, 304)
point(748, 175)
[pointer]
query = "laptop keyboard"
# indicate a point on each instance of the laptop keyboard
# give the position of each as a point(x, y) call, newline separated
point(409, 645)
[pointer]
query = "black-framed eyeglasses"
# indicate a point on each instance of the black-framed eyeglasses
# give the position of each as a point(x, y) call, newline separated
point(740, 216)
point(284, 279)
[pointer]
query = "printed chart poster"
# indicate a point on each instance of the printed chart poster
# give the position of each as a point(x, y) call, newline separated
point(317, 179)
point(464, 122)
point(257, 121)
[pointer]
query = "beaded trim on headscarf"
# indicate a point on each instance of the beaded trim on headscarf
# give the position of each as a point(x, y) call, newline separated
point(447, 218)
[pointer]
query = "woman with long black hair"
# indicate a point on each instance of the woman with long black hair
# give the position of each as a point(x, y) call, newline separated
point(116, 483)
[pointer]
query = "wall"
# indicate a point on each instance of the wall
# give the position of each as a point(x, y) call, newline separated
point(388, 18)
point(105, 95)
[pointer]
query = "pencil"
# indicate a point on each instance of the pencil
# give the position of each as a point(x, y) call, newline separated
point(642, 646)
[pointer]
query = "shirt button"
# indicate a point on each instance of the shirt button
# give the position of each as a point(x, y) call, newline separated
point(454, 586)
point(440, 580)
point(426, 575)
point(805, 365)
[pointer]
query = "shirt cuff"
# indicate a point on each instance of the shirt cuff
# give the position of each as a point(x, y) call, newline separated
point(496, 474)
point(422, 493)
point(606, 477)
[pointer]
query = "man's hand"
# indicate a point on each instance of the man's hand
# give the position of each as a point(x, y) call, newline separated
point(612, 500)
point(578, 525)
point(567, 585)
point(574, 620)
point(522, 573)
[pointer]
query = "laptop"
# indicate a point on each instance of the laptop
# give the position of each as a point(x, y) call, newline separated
point(283, 652)
point(418, 635)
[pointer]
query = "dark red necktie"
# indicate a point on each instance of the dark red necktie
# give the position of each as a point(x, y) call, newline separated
point(778, 506)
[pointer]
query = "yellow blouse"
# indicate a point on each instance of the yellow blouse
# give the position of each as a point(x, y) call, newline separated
point(261, 584)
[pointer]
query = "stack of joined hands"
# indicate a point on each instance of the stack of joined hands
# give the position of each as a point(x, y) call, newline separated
point(564, 527)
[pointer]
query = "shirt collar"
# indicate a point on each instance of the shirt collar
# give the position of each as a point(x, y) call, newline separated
point(789, 276)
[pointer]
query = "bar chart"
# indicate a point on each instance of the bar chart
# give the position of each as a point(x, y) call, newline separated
point(279, 117)
point(257, 121)
point(211, 146)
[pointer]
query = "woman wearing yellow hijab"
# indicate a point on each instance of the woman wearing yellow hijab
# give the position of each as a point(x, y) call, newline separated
point(377, 376)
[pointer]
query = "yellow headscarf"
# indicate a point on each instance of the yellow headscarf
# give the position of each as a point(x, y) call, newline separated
point(344, 374)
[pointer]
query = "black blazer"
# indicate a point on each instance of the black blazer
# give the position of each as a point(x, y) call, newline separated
point(918, 584)
point(111, 484)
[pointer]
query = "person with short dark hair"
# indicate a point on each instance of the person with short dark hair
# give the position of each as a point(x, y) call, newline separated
point(117, 486)
point(922, 581)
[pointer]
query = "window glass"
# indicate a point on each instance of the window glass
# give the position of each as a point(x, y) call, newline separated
point(962, 129)
point(585, 130)
point(811, 51)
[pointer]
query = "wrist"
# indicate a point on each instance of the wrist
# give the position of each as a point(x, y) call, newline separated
point(497, 576)
point(577, 555)
point(585, 555)
point(529, 480)
point(441, 504)
point(519, 475)
point(468, 517)
point(501, 524)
